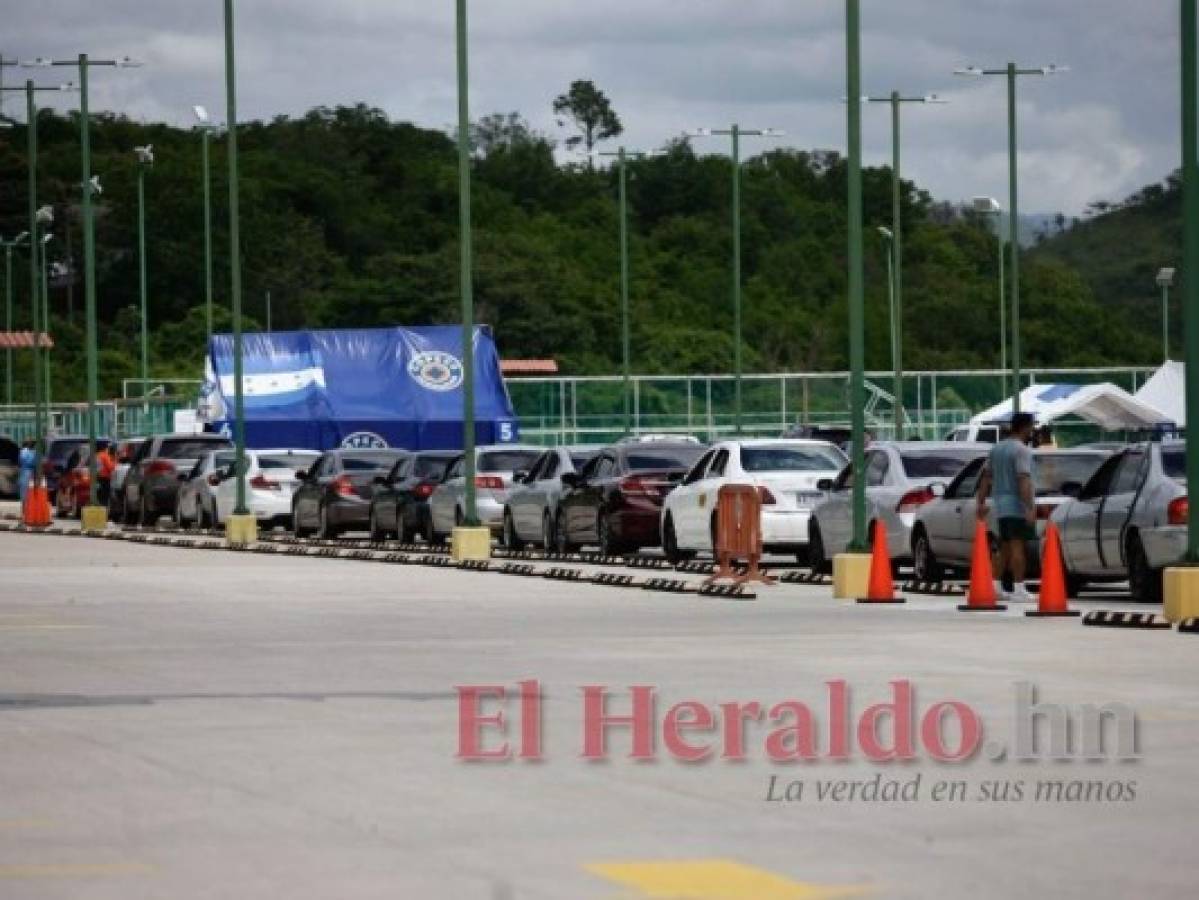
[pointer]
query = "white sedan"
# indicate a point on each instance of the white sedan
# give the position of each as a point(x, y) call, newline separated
point(787, 473)
point(271, 479)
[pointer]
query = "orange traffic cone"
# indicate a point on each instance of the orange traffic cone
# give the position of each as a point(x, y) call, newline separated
point(982, 596)
point(1054, 600)
point(882, 585)
point(36, 513)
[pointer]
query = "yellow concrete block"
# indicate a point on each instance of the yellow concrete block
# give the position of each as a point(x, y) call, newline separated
point(241, 530)
point(1181, 594)
point(93, 518)
point(851, 576)
point(470, 544)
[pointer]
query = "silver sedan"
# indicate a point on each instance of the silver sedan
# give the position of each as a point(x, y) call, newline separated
point(1129, 521)
point(900, 479)
point(532, 508)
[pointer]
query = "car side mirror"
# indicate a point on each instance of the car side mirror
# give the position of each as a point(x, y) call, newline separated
point(1072, 489)
point(572, 479)
point(381, 480)
point(183, 476)
point(824, 484)
point(520, 476)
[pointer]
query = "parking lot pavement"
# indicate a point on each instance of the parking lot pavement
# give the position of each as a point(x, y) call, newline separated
point(185, 724)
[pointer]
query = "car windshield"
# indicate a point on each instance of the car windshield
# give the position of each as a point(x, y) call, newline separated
point(1175, 464)
point(578, 460)
point(941, 463)
point(664, 458)
point(63, 449)
point(508, 460)
point(368, 462)
point(293, 461)
point(189, 448)
point(1056, 470)
point(431, 466)
point(783, 458)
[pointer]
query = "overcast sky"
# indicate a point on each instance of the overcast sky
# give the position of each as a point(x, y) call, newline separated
point(1100, 132)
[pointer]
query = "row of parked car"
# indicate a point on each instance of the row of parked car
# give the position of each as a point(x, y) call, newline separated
point(1122, 511)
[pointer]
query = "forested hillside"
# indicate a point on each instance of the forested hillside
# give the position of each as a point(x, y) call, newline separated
point(349, 219)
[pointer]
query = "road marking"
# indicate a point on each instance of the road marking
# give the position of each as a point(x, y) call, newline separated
point(715, 879)
point(73, 870)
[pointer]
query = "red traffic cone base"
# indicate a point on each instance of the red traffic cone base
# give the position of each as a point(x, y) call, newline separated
point(36, 512)
point(1054, 602)
point(882, 585)
point(982, 596)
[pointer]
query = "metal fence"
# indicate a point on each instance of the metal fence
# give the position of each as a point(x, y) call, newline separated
point(591, 409)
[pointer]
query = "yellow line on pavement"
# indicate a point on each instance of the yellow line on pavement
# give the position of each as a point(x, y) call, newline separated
point(715, 879)
point(73, 870)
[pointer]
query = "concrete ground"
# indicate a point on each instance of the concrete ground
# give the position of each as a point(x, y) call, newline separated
point(191, 724)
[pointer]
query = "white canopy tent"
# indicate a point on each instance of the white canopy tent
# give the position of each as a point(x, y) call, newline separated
point(1166, 391)
point(1107, 405)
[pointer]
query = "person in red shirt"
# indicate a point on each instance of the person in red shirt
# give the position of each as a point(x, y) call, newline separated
point(106, 464)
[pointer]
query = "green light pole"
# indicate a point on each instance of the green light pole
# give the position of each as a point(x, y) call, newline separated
point(239, 426)
point(465, 282)
point(1012, 72)
point(857, 305)
point(991, 209)
point(1190, 259)
point(46, 239)
point(206, 131)
point(888, 237)
point(145, 160)
point(1165, 281)
point(736, 133)
point(622, 157)
point(896, 101)
point(9, 246)
point(90, 187)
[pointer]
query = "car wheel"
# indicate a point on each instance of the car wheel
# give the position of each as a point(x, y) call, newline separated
point(1075, 585)
point(1145, 581)
point(608, 545)
point(924, 560)
point(511, 539)
point(130, 512)
point(326, 531)
point(670, 544)
point(562, 542)
point(296, 528)
point(404, 532)
point(547, 532)
point(180, 522)
point(145, 516)
point(816, 558)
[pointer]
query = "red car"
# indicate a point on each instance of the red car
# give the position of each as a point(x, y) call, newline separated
point(616, 501)
point(74, 483)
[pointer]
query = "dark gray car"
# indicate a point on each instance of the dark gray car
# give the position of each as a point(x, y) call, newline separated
point(335, 494)
point(162, 463)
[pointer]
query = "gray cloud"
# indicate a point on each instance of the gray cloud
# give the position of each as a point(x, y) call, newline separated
point(1101, 131)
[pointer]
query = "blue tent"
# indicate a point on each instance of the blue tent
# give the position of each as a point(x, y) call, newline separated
point(396, 387)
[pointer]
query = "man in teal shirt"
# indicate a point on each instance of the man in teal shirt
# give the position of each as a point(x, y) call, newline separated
point(1009, 478)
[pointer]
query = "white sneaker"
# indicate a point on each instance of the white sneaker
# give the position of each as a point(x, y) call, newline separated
point(1021, 595)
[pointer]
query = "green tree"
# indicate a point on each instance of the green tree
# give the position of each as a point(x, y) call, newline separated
point(592, 114)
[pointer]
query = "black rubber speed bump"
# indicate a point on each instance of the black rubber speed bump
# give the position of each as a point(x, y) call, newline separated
point(1143, 621)
point(667, 585)
point(727, 591)
point(475, 565)
point(1189, 626)
point(560, 574)
point(934, 589)
point(804, 578)
point(430, 560)
point(696, 568)
point(517, 569)
point(612, 579)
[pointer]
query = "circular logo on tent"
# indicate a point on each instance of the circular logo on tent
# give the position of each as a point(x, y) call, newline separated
point(364, 440)
point(436, 371)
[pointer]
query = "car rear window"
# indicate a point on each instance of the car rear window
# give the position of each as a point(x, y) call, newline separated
point(431, 466)
point(1056, 470)
point(941, 463)
point(578, 460)
point(294, 461)
point(507, 460)
point(1175, 464)
point(782, 458)
point(368, 462)
point(189, 448)
point(664, 458)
